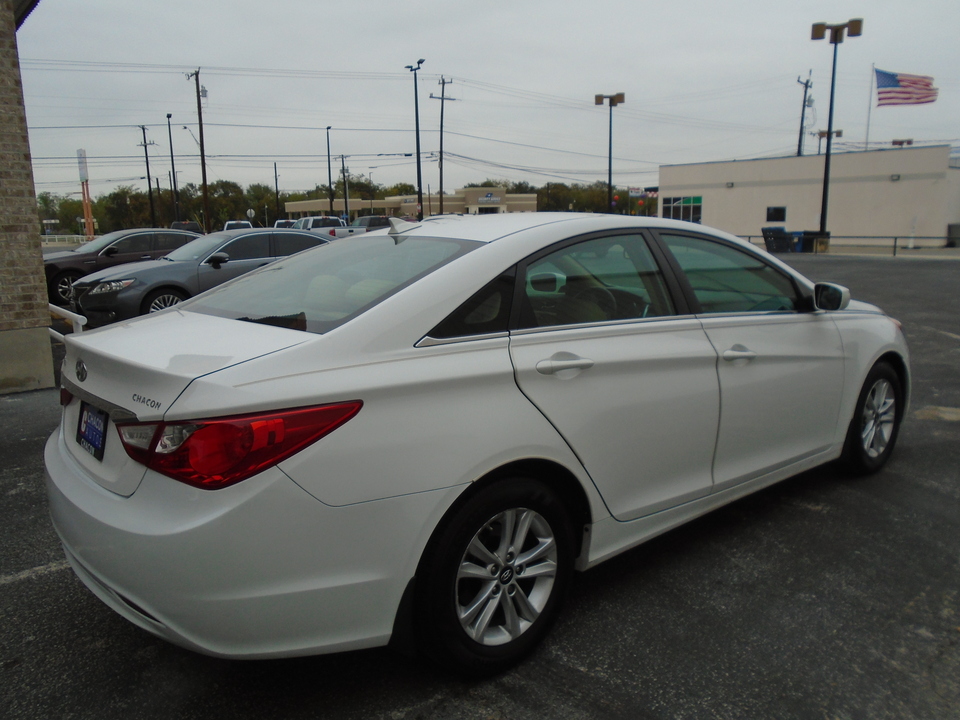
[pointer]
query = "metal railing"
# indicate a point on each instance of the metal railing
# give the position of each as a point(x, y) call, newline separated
point(62, 239)
point(878, 244)
point(77, 321)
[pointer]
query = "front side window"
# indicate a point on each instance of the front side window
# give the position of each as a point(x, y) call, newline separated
point(596, 280)
point(331, 284)
point(725, 279)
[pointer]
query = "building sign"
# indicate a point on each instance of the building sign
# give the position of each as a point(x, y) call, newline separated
point(82, 162)
point(488, 199)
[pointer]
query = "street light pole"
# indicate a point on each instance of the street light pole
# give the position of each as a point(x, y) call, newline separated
point(329, 172)
point(855, 29)
point(416, 110)
point(614, 101)
point(443, 99)
point(173, 173)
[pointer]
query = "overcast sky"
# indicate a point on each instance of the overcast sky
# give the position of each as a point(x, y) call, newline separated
point(704, 81)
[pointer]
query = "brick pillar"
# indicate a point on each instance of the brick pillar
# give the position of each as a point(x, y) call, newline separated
point(25, 357)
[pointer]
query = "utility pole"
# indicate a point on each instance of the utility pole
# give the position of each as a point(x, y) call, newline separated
point(443, 98)
point(276, 189)
point(807, 84)
point(329, 172)
point(153, 212)
point(203, 159)
point(173, 174)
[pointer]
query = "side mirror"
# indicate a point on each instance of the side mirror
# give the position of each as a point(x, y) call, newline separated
point(110, 251)
point(828, 296)
point(545, 282)
point(217, 259)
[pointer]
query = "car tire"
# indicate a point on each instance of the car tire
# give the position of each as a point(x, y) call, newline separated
point(493, 578)
point(162, 299)
point(876, 421)
point(61, 287)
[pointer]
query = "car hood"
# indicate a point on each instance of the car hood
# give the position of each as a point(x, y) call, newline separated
point(860, 306)
point(58, 255)
point(132, 368)
point(138, 270)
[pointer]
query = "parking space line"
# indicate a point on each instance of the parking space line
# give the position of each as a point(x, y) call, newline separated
point(34, 572)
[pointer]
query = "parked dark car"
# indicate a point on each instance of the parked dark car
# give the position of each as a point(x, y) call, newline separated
point(64, 267)
point(145, 287)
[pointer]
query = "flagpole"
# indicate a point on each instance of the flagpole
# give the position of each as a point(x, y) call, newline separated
point(873, 75)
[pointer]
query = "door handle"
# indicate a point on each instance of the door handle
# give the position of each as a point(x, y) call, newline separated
point(555, 365)
point(738, 352)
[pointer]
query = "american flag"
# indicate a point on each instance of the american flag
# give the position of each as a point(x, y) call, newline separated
point(903, 89)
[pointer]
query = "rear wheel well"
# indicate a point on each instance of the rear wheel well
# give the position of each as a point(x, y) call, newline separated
point(556, 476)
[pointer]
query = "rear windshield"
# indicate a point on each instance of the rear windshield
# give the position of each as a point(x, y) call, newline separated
point(320, 289)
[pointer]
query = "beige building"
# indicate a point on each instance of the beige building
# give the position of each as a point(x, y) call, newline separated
point(466, 201)
point(25, 356)
point(898, 192)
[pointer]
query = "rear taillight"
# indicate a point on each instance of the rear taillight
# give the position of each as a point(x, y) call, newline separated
point(218, 452)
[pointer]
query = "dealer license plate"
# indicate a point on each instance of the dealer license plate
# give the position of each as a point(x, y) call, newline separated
point(92, 430)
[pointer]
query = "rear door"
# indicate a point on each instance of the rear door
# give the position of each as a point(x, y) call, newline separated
point(628, 381)
point(167, 242)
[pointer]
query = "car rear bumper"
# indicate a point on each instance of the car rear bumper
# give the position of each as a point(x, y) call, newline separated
point(260, 569)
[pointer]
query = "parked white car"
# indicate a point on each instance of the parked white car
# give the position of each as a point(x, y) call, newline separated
point(431, 428)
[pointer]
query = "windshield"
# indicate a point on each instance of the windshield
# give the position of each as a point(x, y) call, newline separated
point(199, 248)
point(100, 243)
point(320, 289)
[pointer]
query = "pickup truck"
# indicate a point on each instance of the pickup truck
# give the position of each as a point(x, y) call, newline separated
point(361, 225)
point(318, 222)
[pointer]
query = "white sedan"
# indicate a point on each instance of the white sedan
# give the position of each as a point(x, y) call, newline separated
point(419, 434)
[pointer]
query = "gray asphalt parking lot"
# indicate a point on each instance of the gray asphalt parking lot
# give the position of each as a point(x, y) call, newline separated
point(821, 597)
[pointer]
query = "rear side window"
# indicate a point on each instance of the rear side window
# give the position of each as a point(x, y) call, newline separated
point(488, 311)
point(292, 243)
point(726, 279)
point(596, 280)
point(249, 247)
point(338, 281)
point(134, 244)
point(171, 241)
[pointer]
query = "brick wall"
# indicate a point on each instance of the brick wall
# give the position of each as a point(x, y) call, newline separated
point(23, 297)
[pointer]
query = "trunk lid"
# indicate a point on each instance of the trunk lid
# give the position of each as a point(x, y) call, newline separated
point(134, 371)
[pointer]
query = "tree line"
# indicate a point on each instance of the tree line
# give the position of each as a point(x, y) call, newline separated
point(129, 207)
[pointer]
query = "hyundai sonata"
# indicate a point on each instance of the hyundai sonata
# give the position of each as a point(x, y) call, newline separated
point(423, 432)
